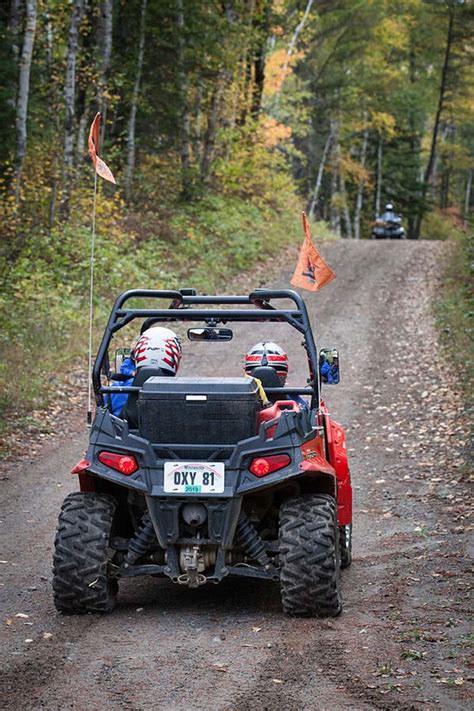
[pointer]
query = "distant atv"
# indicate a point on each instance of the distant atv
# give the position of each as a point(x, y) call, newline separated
point(203, 478)
point(388, 225)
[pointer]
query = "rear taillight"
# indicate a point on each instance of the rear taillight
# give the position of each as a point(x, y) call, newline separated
point(123, 463)
point(261, 466)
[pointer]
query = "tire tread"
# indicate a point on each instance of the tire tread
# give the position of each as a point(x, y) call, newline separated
point(80, 577)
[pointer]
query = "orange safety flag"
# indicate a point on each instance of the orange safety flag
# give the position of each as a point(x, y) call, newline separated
point(101, 168)
point(311, 272)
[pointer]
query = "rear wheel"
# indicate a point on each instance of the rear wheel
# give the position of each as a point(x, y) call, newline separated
point(81, 581)
point(309, 556)
point(345, 545)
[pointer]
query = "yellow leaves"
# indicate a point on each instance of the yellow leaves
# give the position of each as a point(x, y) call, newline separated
point(392, 32)
point(273, 132)
point(353, 170)
point(278, 67)
point(383, 122)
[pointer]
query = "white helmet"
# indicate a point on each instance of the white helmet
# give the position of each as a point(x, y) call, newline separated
point(389, 206)
point(267, 353)
point(158, 347)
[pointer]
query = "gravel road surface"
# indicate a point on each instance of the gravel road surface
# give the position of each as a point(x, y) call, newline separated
point(402, 640)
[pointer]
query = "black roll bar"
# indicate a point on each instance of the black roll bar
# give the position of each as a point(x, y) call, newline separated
point(181, 309)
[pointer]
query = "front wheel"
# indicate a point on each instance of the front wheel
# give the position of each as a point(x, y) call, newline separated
point(81, 580)
point(309, 557)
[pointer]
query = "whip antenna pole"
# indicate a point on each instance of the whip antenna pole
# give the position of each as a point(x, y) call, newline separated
point(100, 168)
point(91, 307)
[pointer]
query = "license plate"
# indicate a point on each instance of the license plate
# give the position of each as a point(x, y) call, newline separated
point(194, 478)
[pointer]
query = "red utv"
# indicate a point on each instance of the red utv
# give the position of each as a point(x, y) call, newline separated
point(203, 478)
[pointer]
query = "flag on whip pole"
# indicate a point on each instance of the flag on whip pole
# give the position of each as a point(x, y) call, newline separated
point(312, 272)
point(101, 167)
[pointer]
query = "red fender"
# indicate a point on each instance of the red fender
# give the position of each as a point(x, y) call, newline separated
point(337, 455)
point(86, 481)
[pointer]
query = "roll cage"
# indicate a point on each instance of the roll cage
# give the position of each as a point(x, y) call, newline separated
point(186, 305)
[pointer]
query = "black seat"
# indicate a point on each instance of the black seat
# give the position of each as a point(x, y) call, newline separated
point(269, 379)
point(130, 409)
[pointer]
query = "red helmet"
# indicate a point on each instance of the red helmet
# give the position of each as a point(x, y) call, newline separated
point(267, 353)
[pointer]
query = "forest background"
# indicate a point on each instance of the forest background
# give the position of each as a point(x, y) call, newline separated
point(221, 121)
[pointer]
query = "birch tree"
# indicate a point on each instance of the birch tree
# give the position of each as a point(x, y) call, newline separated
point(345, 205)
point(313, 203)
point(360, 190)
point(70, 87)
point(378, 176)
point(106, 27)
point(292, 47)
point(14, 26)
point(185, 122)
point(24, 92)
point(131, 148)
point(335, 220)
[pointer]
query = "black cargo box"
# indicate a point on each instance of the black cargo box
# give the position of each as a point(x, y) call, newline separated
point(198, 410)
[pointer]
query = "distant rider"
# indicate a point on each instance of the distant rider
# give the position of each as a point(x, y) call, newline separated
point(389, 215)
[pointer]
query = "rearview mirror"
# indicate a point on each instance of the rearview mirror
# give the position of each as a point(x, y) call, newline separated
point(210, 334)
point(329, 365)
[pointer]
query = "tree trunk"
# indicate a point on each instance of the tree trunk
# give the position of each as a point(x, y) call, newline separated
point(335, 214)
point(131, 148)
point(335, 220)
point(24, 93)
point(378, 193)
point(210, 135)
point(81, 135)
point(467, 198)
point(261, 27)
point(360, 191)
point(197, 134)
point(14, 25)
point(246, 82)
point(291, 48)
point(70, 83)
point(345, 212)
point(106, 43)
point(69, 102)
point(49, 40)
point(185, 127)
point(442, 92)
point(313, 203)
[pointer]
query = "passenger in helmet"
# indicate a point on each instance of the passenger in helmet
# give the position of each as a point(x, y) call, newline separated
point(267, 353)
point(157, 347)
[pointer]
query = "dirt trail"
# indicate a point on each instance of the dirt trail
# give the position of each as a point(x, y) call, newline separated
point(402, 640)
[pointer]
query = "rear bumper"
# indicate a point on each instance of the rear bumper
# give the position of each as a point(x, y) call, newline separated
point(110, 433)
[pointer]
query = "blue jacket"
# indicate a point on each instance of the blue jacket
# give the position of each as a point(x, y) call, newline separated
point(326, 372)
point(118, 401)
